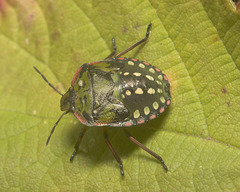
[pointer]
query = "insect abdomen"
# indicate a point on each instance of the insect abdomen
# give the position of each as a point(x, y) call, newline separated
point(145, 90)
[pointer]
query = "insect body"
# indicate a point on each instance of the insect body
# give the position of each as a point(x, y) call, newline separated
point(117, 92)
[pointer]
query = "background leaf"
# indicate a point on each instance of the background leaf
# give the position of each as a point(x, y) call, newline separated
point(196, 43)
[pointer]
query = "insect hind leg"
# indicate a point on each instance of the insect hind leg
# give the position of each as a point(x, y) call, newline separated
point(146, 149)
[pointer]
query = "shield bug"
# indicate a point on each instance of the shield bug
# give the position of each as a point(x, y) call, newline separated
point(115, 92)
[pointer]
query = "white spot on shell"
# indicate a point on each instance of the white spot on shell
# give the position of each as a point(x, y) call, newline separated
point(146, 110)
point(158, 82)
point(80, 83)
point(128, 92)
point(137, 74)
point(160, 77)
point(139, 91)
point(155, 105)
point(152, 70)
point(150, 77)
point(151, 91)
point(130, 63)
point(136, 114)
point(162, 99)
point(141, 65)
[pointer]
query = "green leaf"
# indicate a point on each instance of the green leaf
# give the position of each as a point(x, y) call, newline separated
point(196, 43)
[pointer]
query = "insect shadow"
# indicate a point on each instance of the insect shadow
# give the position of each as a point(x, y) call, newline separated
point(95, 150)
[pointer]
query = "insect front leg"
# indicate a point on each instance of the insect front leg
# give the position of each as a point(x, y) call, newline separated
point(138, 43)
point(78, 142)
point(114, 49)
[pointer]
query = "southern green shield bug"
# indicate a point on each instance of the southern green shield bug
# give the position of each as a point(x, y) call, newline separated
point(116, 92)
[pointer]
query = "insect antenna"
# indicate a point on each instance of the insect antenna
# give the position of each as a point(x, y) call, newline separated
point(49, 137)
point(45, 79)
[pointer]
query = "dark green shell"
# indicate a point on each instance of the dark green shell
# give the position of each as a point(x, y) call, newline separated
point(117, 92)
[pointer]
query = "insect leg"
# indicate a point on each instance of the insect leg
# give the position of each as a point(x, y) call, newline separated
point(78, 142)
point(114, 49)
point(138, 43)
point(146, 149)
point(113, 151)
